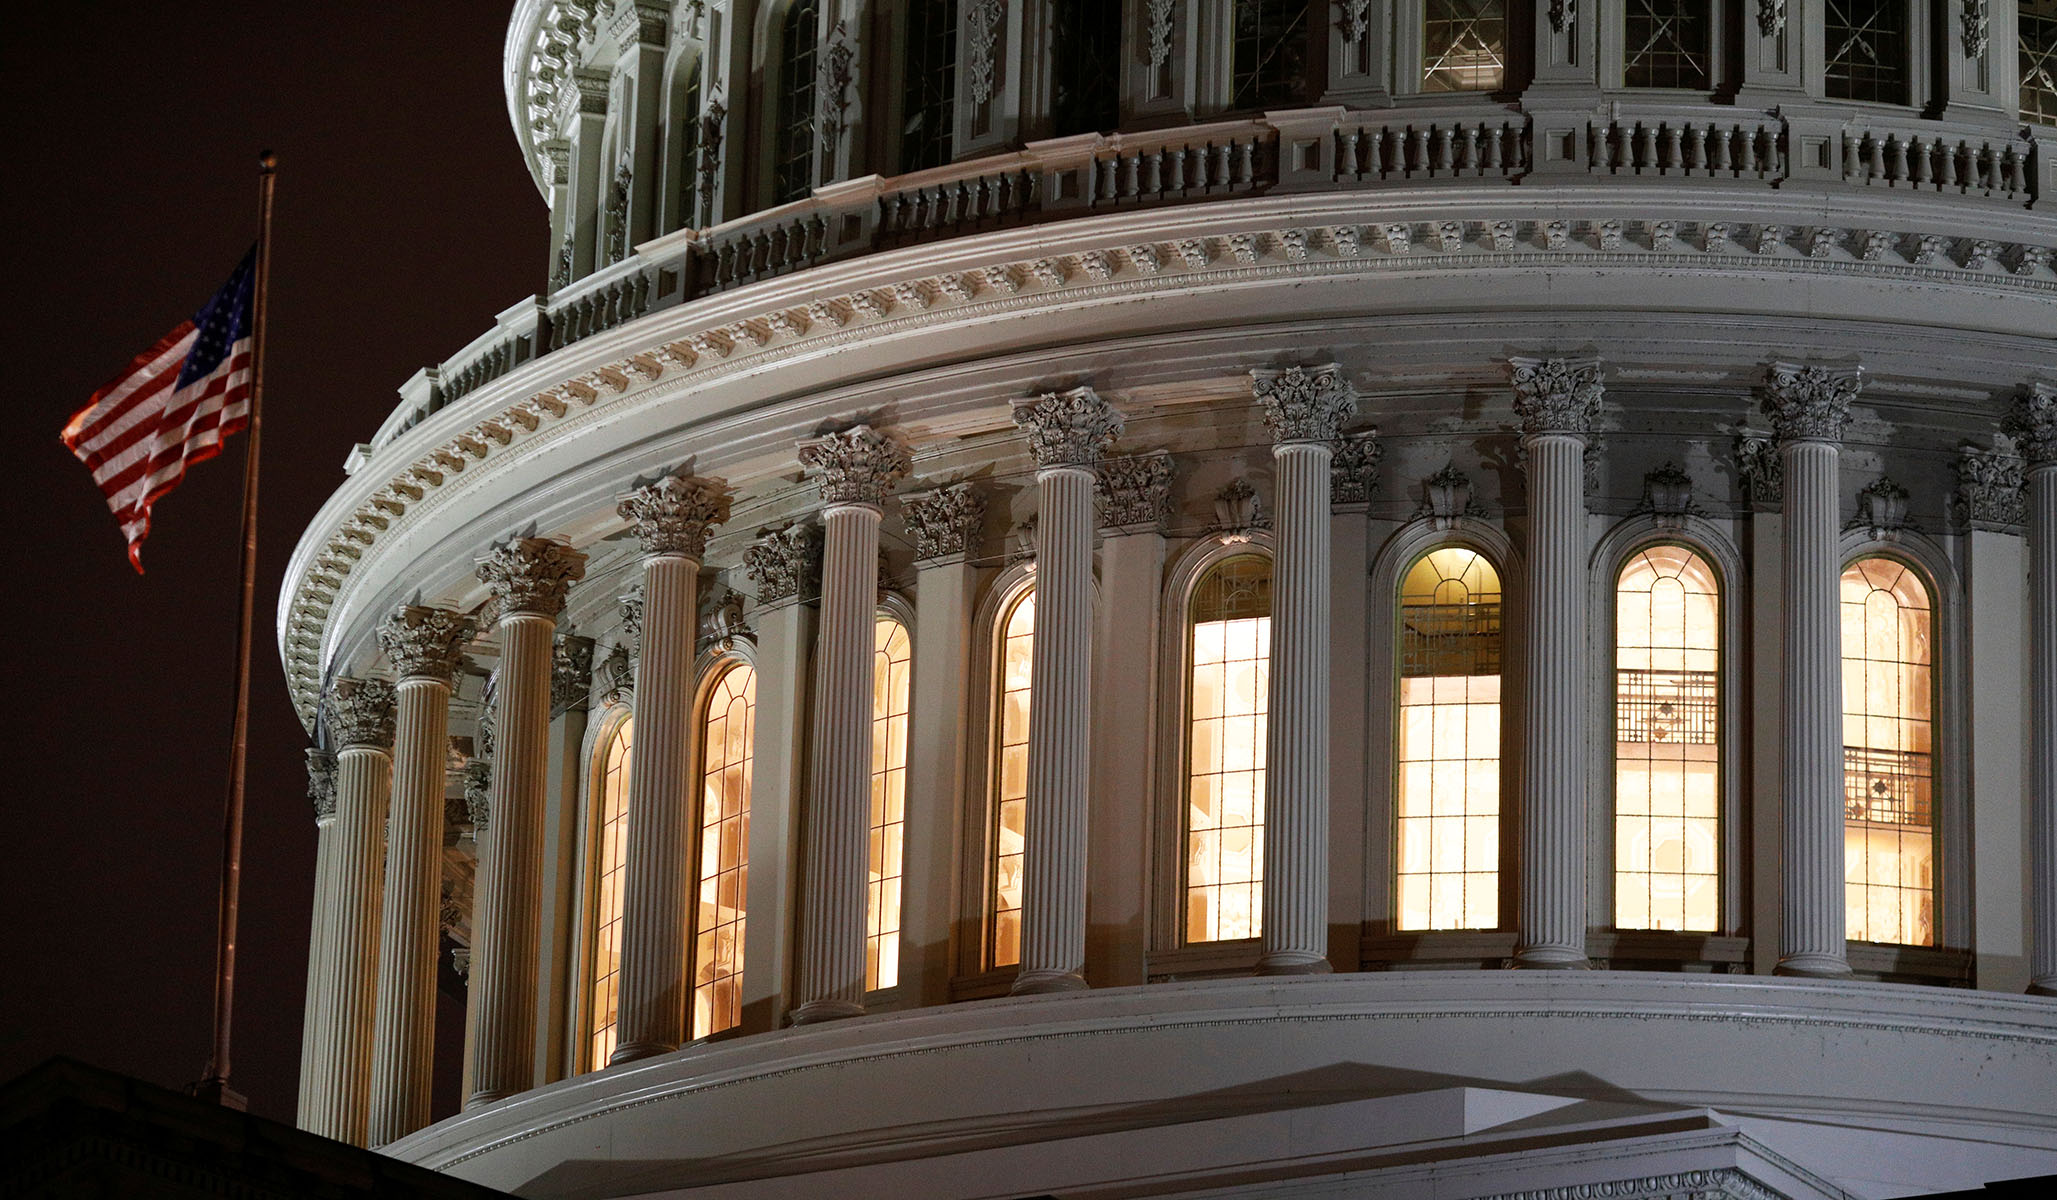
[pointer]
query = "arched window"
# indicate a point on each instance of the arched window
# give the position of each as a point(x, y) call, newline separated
point(1085, 79)
point(1229, 646)
point(1667, 702)
point(1866, 50)
point(928, 92)
point(727, 738)
point(892, 677)
point(1010, 782)
point(1463, 45)
point(1888, 755)
point(792, 164)
point(2038, 29)
point(1271, 54)
point(1449, 760)
point(1667, 44)
point(608, 854)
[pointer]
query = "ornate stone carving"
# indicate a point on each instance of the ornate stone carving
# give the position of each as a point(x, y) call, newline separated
point(618, 214)
point(982, 21)
point(1557, 395)
point(1353, 472)
point(616, 677)
point(837, 72)
point(478, 796)
point(673, 514)
point(1159, 12)
point(1135, 491)
point(560, 269)
point(1771, 17)
point(1354, 20)
point(1067, 429)
point(1237, 513)
point(1304, 404)
point(721, 619)
point(1663, 236)
point(1810, 404)
point(1143, 257)
point(1977, 26)
point(1024, 541)
point(945, 522)
point(1347, 240)
point(1503, 234)
point(449, 914)
point(1882, 508)
point(359, 712)
point(630, 606)
point(571, 674)
point(1563, 13)
point(1668, 495)
point(424, 641)
point(487, 730)
point(1449, 496)
point(712, 121)
point(1762, 471)
point(2032, 423)
point(785, 563)
point(1989, 489)
point(531, 575)
point(1714, 236)
point(321, 782)
point(858, 465)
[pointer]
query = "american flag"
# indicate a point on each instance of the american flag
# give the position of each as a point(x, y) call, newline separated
point(170, 408)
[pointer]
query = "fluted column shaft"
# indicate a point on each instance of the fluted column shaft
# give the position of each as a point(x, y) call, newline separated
point(2042, 749)
point(1295, 928)
point(321, 788)
point(1553, 788)
point(838, 824)
point(342, 1049)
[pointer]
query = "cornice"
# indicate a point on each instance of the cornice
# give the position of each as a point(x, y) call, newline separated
point(1249, 242)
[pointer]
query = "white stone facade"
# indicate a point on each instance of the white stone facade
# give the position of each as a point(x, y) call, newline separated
point(1239, 367)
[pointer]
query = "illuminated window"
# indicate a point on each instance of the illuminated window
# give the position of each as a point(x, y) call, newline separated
point(727, 737)
point(792, 164)
point(1270, 67)
point(2038, 26)
point(892, 663)
point(1888, 768)
point(1010, 782)
point(1230, 650)
point(928, 93)
point(1463, 45)
point(1866, 50)
point(609, 853)
point(1666, 44)
point(1667, 700)
point(1449, 768)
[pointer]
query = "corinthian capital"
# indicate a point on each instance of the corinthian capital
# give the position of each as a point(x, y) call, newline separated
point(423, 641)
point(857, 466)
point(321, 782)
point(1067, 429)
point(1135, 492)
point(2032, 423)
point(673, 514)
point(1810, 404)
point(785, 563)
point(531, 575)
point(1353, 473)
point(1557, 395)
point(946, 521)
point(360, 713)
point(1304, 404)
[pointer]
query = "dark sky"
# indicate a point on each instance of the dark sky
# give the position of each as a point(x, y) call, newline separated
point(405, 220)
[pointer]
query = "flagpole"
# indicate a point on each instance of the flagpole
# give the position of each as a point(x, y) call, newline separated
point(215, 1087)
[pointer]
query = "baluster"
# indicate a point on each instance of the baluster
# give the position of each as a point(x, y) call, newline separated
point(1491, 150)
point(1946, 165)
point(1246, 162)
point(1444, 161)
point(1346, 153)
point(1175, 170)
point(1989, 169)
point(1417, 151)
point(1224, 173)
point(1674, 155)
point(1898, 146)
point(1646, 147)
point(1919, 154)
point(1850, 170)
point(1695, 149)
point(1151, 166)
point(1375, 154)
point(1467, 150)
point(2016, 171)
point(1715, 158)
point(1602, 152)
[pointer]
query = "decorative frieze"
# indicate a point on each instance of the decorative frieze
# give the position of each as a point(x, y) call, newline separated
point(424, 641)
point(785, 563)
point(1989, 490)
point(1067, 429)
point(945, 522)
point(1135, 491)
point(1557, 395)
point(2032, 423)
point(1304, 404)
point(673, 514)
point(321, 782)
point(1353, 471)
point(359, 712)
point(858, 465)
point(1810, 404)
point(531, 575)
point(571, 674)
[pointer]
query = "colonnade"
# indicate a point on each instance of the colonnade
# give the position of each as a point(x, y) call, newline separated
point(371, 981)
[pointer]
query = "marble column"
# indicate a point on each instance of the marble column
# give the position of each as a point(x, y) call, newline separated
point(424, 645)
point(321, 790)
point(1067, 432)
point(360, 720)
point(529, 577)
point(1556, 401)
point(1808, 407)
point(671, 518)
point(856, 469)
point(1305, 409)
point(2033, 425)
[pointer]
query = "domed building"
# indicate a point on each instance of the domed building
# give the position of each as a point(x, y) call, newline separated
point(1218, 597)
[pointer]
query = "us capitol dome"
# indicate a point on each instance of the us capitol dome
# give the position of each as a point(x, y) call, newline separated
point(1217, 597)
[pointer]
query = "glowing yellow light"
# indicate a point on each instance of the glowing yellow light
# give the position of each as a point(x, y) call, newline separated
point(727, 738)
point(610, 853)
point(892, 663)
point(1010, 799)
point(1888, 763)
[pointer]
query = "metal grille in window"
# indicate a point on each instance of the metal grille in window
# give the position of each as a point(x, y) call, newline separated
point(1674, 707)
point(1237, 590)
point(1887, 787)
point(1085, 84)
point(1270, 53)
point(2039, 61)
point(1867, 50)
point(1665, 44)
point(1449, 639)
point(792, 168)
point(929, 95)
point(1463, 45)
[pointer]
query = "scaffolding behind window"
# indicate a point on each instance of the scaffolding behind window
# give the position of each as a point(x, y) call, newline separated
point(1888, 756)
point(2038, 26)
point(1271, 58)
point(1463, 45)
point(1229, 646)
point(1667, 44)
point(928, 93)
point(1866, 50)
point(792, 164)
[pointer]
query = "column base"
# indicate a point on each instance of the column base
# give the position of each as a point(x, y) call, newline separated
point(2042, 987)
point(1551, 958)
point(817, 1012)
point(629, 1052)
point(218, 1091)
point(1045, 982)
point(1293, 962)
point(1813, 965)
point(487, 1097)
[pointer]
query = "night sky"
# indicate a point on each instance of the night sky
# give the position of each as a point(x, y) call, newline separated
point(405, 220)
